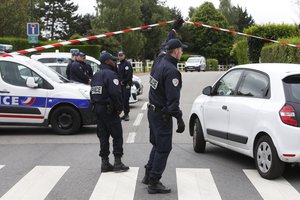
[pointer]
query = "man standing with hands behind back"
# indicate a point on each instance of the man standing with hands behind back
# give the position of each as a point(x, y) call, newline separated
point(125, 76)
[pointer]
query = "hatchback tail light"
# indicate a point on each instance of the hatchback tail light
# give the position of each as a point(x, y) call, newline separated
point(288, 115)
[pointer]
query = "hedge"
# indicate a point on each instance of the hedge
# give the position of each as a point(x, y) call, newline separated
point(270, 31)
point(276, 53)
point(21, 43)
point(212, 64)
point(240, 52)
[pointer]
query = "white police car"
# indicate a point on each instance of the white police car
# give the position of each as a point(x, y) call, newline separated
point(33, 94)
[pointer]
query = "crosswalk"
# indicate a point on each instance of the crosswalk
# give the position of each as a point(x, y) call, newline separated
point(192, 184)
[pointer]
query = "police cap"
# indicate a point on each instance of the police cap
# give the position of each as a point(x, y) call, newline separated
point(174, 44)
point(107, 56)
point(121, 53)
point(74, 52)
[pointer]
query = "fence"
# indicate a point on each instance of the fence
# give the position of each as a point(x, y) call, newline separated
point(139, 66)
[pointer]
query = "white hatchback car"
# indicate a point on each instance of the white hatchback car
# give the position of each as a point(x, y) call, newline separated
point(254, 110)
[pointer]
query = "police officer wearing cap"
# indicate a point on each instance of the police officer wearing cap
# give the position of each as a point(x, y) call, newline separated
point(78, 72)
point(107, 98)
point(125, 76)
point(164, 96)
point(74, 53)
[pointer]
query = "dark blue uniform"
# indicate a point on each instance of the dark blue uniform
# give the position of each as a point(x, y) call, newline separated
point(68, 70)
point(164, 96)
point(107, 98)
point(125, 76)
point(78, 72)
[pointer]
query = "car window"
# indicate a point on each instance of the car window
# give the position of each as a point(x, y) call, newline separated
point(227, 84)
point(95, 66)
point(16, 74)
point(292, 87)
point(254, 84)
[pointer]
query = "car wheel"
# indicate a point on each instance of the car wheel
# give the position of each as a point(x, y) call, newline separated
point(198, 138)
point(185, 70)
point(65, 120)
point(267, 162)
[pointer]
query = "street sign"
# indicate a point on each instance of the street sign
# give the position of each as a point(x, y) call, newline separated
point(33, 39)
point(33, 29)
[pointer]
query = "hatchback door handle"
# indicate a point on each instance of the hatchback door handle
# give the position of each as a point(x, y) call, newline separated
point(224, 107)
point(4, 91)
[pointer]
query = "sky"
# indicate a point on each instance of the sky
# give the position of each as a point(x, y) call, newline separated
point(263, 11)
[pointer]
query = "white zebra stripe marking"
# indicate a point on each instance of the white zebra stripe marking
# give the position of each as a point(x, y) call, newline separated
point(196, 184)
point(144, 106)
point(277, 189)
point(1, 166)
point(131, 137)
point(138, 119)
point(116, 186)
point(37, 184)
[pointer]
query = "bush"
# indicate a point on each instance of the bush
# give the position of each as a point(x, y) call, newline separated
point(277, 53)
point(270, 31)
point(212, 64)
point(240, 52)
point(184, 57)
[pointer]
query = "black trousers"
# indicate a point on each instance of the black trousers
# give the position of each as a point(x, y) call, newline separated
point(109, 125)
point(161, 128)
point(126, 95)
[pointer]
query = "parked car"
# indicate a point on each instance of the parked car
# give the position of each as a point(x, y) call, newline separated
point(33, 94)
point(64, 57)
point(254, 110)
point(195, 63)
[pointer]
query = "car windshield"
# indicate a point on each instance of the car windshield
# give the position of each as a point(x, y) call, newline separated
point(50, 73)
point(193, 60)
point(292, 87)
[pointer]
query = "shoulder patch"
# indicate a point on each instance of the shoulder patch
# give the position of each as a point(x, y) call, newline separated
point(153, 82)
point(126, 68)
point(175, 82)
point(116, 81)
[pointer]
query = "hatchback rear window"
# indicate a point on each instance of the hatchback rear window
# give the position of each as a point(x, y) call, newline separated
point(292, 87)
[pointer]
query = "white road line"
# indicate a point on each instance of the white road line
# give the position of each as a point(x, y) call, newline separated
point(144, 106)
point(272, 189)
point(196, 184)
point(138, 119)
point(116, 186)
point(36, 184)
point(131, 137)
point(1, 166)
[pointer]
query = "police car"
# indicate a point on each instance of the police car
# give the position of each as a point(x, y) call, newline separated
point(59, 61)
point(33, 94)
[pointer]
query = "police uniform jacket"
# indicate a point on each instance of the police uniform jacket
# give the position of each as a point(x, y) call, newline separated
point(105, 88)
point(78, 73)
point(69, 68)
point(165, 87)
point(125, 72)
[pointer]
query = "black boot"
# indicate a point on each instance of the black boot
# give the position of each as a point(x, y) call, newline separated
point(146, 177)
point(106, 166)
point(156, 187)
point(119, 166)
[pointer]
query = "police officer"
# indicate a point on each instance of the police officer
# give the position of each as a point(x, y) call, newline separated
point(125, 76)
point(164, 96)
point(74, 53)
point(88, 68)
point(78, 72)
point(107, 98)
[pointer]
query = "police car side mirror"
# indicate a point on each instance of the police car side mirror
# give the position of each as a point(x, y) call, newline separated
point(30, 82)
point(207, 91)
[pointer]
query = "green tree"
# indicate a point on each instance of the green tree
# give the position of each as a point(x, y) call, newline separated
point(14, 16)
point(82, 25)
point(208, 42)
point(57, 16)
point(114, 15)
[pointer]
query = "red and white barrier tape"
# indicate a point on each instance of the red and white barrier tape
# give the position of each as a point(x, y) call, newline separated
point(40, 48)
point(242, 34)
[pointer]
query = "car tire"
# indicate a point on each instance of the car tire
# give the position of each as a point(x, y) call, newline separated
point(267, 162)
point(65, 120)
point(199, 143)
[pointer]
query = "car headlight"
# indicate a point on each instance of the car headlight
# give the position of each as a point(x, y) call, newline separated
point(85, 93)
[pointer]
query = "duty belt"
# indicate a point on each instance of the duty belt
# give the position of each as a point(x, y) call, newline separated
point(153, 108)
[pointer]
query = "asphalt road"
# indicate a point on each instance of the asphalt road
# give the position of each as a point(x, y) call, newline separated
point(35, 163)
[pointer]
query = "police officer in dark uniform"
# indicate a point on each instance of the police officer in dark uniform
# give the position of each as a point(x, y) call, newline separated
point(164, 96)
point(78, 72)
point(88, 68)
point(74, 53)
point(107, 98)
point(125, 76)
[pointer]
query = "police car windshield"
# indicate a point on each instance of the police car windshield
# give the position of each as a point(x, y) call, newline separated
point(50, 73)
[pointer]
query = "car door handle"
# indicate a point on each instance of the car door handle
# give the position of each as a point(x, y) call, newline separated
point(224, 107)
point(4, 91)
